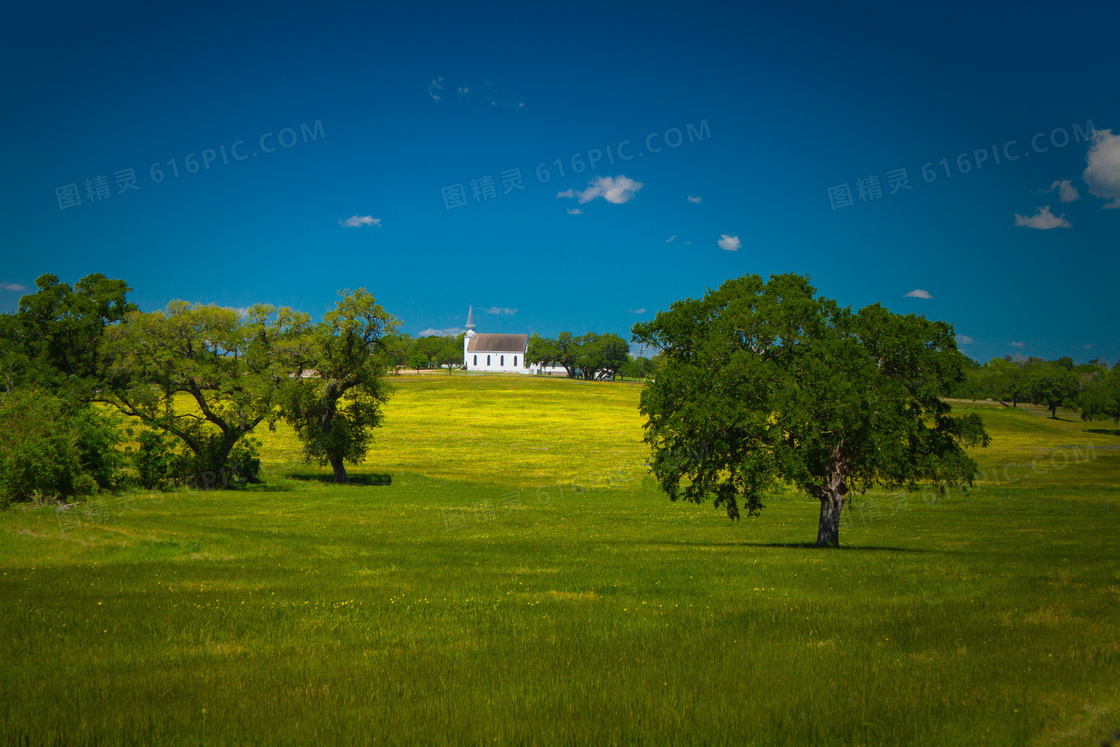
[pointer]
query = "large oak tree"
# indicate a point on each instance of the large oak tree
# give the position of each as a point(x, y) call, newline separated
point(229, 366)
point(765, 383)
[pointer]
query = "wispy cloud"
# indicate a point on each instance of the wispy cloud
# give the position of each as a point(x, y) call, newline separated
point(614, 189)
point(1017, 344)
point(13, 287)
point(575, 211)
point(637, 311)
point(964, 340)
point(1043, 220)
point(481, 94)
point(500, 310)
point(357, 221)
point(1103, 172)
point(435, 88)
point(919, 293)
point(729, 243)
point(693, 199)
point(670, 239)
point(1066, 191)
point(445, 332)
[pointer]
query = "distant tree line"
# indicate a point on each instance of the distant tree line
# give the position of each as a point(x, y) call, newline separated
point(193, 380)
point(1089, 388)
point(591, 357)
point(428, 352)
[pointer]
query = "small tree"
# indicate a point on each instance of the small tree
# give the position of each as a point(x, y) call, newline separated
point(1053, 385)
point(764, 382)
point(335, 411)
point(450, 353)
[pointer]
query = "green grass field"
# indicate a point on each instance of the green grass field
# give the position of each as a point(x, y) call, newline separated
point(518, 579)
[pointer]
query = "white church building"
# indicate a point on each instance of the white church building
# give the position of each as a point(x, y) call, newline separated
point(498, 353)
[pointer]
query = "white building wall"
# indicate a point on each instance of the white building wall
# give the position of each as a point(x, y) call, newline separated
point(499, 362)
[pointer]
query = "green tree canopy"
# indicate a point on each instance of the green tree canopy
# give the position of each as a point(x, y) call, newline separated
point(1101, 398)
point(54, 341)
point(230, 367)
point(765, 382)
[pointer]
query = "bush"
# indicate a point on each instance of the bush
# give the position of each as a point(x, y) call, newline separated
point(208, 470)
point(153, 459)
point(97, 437)
point(53, 449)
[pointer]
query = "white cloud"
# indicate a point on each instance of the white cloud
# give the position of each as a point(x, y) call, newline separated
point(919, 293)
point(729, 243)
point(1088, 346)
point(435, 88)
point(964, 340)
point(670, 239)
point(637, 311)
point(1066, 191)
point(693, 199)
point(13, 287)
point(499, 310)
point(688, 243)
point(614, 189)
point(357, 221)
point(1043, 219)
point(1103, 172)
point(446, 332)
point(574, 211)
point(1016, 344)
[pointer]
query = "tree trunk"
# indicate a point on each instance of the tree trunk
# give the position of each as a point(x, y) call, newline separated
point(832, 497)
point(828, 530)
point(338, 467)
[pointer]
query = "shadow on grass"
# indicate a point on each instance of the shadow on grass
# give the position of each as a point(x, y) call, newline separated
point(1104, 431)
point(798, 546)
point(360, 480)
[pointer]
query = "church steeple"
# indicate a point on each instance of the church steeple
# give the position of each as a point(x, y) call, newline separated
point(470, 321)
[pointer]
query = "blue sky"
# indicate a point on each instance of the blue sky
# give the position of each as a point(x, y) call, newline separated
point(373, 116)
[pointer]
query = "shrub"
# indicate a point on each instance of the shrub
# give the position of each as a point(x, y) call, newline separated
point(153, 459)
point(52, 448)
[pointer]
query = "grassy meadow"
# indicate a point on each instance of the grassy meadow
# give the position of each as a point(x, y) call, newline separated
point(502, 570)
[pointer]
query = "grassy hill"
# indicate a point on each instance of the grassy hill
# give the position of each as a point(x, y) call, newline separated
point(518, 579)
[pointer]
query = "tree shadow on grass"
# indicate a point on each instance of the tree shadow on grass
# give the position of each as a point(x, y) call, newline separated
point(1104, 431)
point(360, 480)
point(797, 546)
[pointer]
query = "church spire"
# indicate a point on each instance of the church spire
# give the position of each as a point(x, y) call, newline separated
point(470, 321)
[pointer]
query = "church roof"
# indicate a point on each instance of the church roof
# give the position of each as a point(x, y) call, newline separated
point(497, 343)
